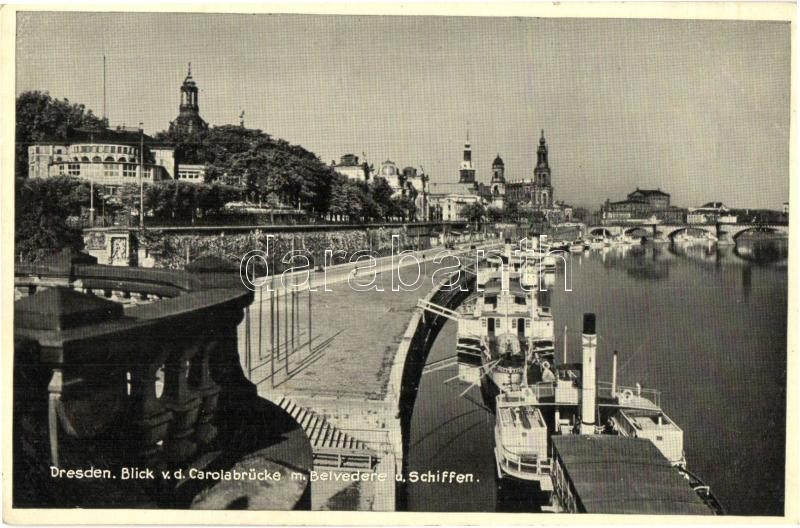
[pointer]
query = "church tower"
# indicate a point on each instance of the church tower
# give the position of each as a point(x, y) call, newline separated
point(188, 120)
point(543, 190)
point(498, 183)
point(467, 171)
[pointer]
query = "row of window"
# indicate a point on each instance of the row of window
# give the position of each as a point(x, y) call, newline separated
point(185, 175)
point(498, 322)
point(96, 159)
point(110, 170)
point(113, 149)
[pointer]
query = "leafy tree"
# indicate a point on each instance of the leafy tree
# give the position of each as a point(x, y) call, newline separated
point(382, 193)
point(43, 207)
point(39, 117)
point(269, 168)
point(495, 214)
point(474, 212)
point(511, 212)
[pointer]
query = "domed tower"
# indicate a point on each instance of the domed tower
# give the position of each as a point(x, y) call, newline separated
point(543, 190)
point(188, 120)
point(498, 170)
point(498, 183)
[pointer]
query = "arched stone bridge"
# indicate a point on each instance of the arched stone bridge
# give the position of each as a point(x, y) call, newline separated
point(718, 231)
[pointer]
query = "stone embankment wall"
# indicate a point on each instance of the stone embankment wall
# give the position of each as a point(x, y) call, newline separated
point(163, 248)
point(412, 354)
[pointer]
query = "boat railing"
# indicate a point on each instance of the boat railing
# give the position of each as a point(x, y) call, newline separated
point(523, 464)
point(544, 389)
point(629, 395)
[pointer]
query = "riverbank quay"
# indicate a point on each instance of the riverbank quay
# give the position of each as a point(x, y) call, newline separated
point(335, 360)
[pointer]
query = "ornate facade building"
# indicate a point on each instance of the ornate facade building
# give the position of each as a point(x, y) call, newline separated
point(188, 120)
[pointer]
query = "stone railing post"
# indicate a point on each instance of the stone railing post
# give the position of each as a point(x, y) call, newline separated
point(208, 390)
point(183, 401)
point(150, 418)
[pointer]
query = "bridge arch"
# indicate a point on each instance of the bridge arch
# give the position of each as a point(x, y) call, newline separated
point(697, 230)
point(601, 231)
point(755, 229)
point(642, 231)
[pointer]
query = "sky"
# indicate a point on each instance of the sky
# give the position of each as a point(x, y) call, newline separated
point(699, 109)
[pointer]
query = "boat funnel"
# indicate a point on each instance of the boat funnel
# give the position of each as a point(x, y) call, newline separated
point(614, 375)
point(589, 371)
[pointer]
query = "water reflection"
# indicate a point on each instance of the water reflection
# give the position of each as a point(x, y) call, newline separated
point(772, 250)
point(759, 250)
point(747, 283)
point(652, 263)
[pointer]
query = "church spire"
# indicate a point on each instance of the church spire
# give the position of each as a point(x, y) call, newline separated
point(189, 119)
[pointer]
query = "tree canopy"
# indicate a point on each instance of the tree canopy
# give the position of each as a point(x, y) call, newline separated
point(42, 207)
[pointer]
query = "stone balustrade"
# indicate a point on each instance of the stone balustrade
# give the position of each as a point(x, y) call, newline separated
point(126, 367)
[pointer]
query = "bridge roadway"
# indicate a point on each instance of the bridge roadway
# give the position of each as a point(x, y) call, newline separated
point(719, 230)
point(341, 383)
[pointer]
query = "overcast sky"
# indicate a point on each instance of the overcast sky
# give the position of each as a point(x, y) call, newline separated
point(697, 108)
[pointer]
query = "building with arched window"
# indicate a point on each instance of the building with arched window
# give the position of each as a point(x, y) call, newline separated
point(108, 157)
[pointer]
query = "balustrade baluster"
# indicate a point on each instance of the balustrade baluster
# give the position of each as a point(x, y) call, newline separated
point(183, 401)
point(151, 420)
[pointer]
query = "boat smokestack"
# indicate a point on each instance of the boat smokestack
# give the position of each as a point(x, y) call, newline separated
point(589, 371)
point(614, 375)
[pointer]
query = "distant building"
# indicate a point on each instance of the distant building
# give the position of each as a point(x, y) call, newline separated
point(448, 199)
point(710, 213)
point(390, 172)
point(786, 208)
point(108, 157)
point(451, 207)
point(560, 213)
point(188, 120)
point(641, 205)
point(192, 173)
point(529, 194)
point(349, 166)
point(656, 198)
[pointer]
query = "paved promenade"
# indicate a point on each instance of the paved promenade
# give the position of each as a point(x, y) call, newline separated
point(338, 369)
point(353, 334)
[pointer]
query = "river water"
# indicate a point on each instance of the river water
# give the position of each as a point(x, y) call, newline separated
point(705, 326)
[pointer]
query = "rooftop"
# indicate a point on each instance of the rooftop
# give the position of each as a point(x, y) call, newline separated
point(616, 474)
point(117, 136)
point(650, 192)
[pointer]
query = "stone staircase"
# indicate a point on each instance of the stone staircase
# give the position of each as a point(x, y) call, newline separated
point(332, 447)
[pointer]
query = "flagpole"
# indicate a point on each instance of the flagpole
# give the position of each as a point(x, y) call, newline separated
point(141, 176)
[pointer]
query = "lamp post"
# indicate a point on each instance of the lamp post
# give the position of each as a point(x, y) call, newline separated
point(91, 202)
